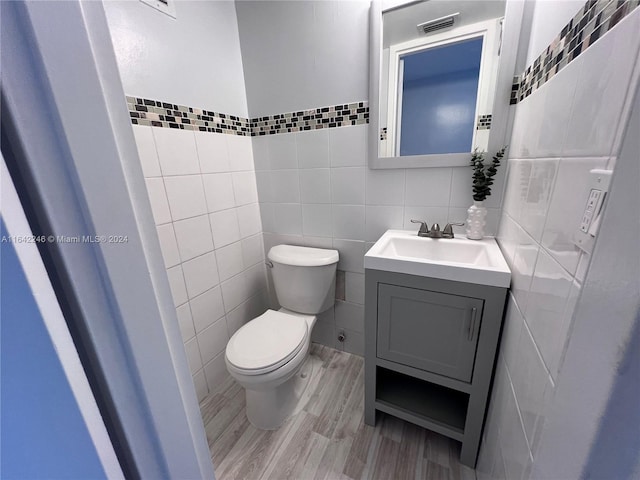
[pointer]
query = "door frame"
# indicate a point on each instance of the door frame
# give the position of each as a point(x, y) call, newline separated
point(69, 148)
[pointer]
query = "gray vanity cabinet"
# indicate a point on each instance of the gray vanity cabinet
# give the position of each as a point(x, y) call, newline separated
point(429, 330)
point(430, 350)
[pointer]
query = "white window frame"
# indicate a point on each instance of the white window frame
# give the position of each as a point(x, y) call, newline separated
point(487, 30)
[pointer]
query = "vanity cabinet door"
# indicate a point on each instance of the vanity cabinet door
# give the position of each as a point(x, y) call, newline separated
point(432, 331)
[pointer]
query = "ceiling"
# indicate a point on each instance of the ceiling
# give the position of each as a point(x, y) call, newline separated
point(399, 24)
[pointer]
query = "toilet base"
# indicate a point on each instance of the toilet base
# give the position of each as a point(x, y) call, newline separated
point(269, 409)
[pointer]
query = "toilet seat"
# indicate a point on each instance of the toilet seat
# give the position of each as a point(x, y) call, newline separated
point(266, 343)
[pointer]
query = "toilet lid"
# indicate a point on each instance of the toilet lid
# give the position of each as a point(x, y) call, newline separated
point(267, 342)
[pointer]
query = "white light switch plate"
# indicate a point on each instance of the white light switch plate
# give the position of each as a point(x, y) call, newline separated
point(585, 236)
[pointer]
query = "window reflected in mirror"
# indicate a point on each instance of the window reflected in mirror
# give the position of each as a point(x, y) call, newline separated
point(438, 73)
point(437, 101)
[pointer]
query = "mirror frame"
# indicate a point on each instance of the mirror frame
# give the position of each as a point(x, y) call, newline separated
point(501, 114)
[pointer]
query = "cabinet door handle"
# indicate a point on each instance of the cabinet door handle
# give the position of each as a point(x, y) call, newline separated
point(472, 323)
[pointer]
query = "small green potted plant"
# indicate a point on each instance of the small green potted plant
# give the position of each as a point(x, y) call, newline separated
point(482, 181)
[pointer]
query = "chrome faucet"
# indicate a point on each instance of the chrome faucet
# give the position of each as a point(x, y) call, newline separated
point(434, 231)
point(448, 230)
point(424, 228)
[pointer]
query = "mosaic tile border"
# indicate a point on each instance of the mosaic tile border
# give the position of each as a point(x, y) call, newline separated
point(483, 123)
point(383, 133)
point(341, 115)
point(515, 88)
point(155, 113)
point(591, 22)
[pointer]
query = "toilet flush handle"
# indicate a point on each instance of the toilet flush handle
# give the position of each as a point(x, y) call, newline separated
point(268, 263)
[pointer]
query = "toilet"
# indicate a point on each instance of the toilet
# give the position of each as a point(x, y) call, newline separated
point(268, 356)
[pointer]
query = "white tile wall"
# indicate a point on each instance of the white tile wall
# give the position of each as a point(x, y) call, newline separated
point(193, 236)
point(212, 153)
point(206, 308)
point(255, 277)
point(203, 194)
point(565, 211)
point(218, 189)
point(212, 340)
point(193, 355)
point(186, 196)
point(249, 220)
point(354, 287)
point(562, 131)
point(530, 380)
point(600, 93)
point(216, 370)
point(315, 185)
point(347, 185)
point(385, 187)
point(349, 221)
point(240, 153)
point(176, 282)
point(429, 187)
point(282, 152)
point(379, 219)
point(287, 218)
point(158, 199)
point(234, 291)
point(347, 146)
point(225, 227)
point(176, 151)
point(147, 152)
point(168, 245)
point(534, 201)
point(185, 322)
point(252, 250)
point(544, 312)
point(200, 274)
point(316, 220)
point(200, 383)
point(349, 316)
point(313, 149)
point(285, 186)
point(229, 260)
point(244, 187)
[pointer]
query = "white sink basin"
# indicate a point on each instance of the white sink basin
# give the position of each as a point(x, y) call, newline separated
point(458, 259)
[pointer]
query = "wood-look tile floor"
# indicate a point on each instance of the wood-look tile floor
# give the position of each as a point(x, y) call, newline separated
point(327, 439)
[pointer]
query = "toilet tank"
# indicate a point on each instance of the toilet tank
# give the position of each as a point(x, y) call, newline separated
point(304, 278)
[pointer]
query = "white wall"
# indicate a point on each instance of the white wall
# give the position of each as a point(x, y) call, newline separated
point(203, 194)
point(192, 60)
point(569, 126)
point(549, 18)
point(305, 54)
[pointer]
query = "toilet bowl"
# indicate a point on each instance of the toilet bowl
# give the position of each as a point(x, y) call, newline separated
point(268, 356)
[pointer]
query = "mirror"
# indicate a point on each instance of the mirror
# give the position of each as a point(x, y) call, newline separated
point(439, 79)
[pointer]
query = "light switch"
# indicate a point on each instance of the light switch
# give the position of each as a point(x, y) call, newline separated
point(591, 207)
point(584, 237)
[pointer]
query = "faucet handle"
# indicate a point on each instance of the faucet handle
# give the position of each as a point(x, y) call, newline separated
point(424, 228)
point(448, 230)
